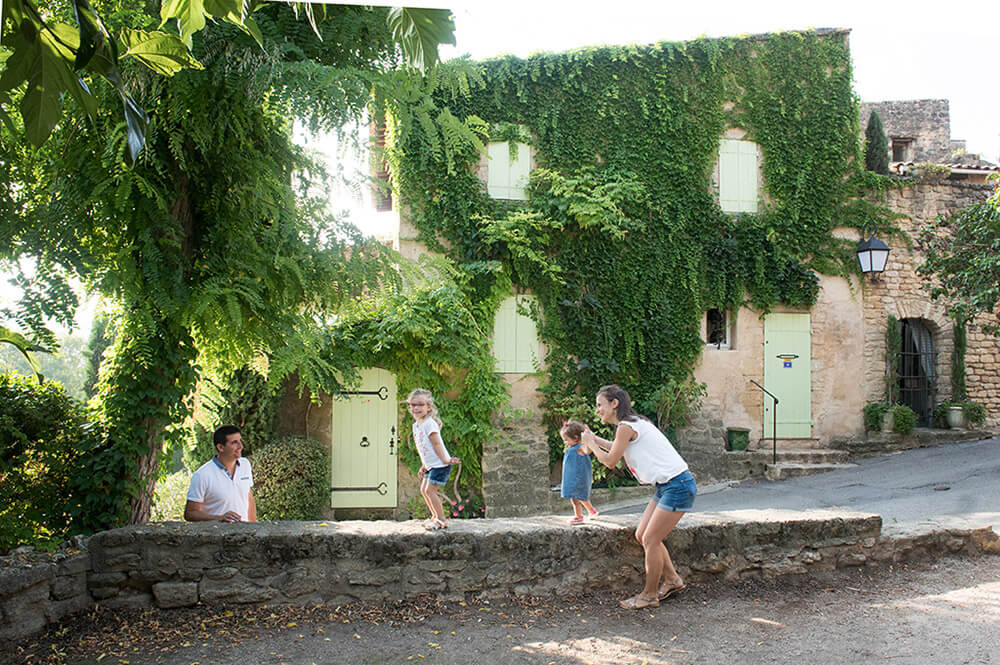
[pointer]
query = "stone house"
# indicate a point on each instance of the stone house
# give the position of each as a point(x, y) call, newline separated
point(919, 131)
point(823, 363)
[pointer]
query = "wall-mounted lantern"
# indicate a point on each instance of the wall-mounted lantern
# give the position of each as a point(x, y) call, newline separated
point(873, 254)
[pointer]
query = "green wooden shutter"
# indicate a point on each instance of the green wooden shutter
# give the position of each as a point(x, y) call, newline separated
point(498, 170)
point(737, 176)
point(729, 194)
point(747, 153)
point(520, 170)
point(508, 179)
point(515, 337)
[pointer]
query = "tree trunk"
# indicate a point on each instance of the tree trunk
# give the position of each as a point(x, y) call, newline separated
point(148, 469)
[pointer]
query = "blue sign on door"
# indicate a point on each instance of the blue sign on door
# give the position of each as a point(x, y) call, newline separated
point(787, 363)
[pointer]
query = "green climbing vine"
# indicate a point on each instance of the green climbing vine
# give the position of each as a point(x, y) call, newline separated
point(621, 238)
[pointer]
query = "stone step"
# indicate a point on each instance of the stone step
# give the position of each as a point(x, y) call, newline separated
point(784, 471)
point(806, 456)
point(786, 444)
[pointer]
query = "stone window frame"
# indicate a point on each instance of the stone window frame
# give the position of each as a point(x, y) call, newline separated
point(906, 144)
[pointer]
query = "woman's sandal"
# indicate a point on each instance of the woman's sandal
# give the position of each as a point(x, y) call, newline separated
point(663, 592)
point(576, 520)
point(637, 602)
point(435, 525)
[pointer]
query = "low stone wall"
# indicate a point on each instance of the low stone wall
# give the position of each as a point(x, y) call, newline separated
point(880, 443)
point(176, 565)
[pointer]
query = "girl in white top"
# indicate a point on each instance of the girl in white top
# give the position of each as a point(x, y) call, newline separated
point(435, 460)
point(653, 461)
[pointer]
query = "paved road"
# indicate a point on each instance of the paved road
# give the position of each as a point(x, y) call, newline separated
point(947, 486)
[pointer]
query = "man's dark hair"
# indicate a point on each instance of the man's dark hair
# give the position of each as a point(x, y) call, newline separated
point(223, 433)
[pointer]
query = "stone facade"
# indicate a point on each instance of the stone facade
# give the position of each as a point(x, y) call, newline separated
point(927, 122)
point(306, 563)
point(900, 291)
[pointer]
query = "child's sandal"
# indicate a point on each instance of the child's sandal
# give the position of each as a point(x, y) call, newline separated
point(576, 520)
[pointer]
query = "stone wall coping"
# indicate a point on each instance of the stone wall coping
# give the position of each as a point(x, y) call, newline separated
point(242, 532)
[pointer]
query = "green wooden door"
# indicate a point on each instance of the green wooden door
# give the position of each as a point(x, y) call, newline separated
point(787, 362)
point(365, 441)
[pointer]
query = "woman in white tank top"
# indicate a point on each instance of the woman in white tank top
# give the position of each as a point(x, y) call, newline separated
point(653, 461)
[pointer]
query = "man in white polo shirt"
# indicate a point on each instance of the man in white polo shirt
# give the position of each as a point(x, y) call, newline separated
point(220, 489)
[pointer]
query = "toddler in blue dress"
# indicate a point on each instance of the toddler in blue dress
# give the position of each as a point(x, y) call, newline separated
point(577, 473)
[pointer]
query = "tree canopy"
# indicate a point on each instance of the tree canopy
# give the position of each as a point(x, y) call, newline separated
point(963, 263)
point(210, 246)
point(50, 58)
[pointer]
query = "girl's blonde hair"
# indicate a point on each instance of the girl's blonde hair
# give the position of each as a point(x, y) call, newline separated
point(573, 429)
point(429, 398)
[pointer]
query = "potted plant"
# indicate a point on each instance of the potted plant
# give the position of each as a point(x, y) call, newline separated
point(875, 416)
point(974, 412)
point(955, 417)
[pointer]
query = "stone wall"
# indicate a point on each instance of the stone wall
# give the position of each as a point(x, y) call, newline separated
point(903, 293)
point(926, 121)
point(516, 470)
point(303, 563)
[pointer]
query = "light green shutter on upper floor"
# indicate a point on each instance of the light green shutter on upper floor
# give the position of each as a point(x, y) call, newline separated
point(515, 337)
point(508, 179)
point(738, 166)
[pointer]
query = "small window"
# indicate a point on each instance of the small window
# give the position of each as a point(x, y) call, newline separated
point(738, 167)
point(515, 337)
point(717, 328)
point(507, 178)
point(902, 150)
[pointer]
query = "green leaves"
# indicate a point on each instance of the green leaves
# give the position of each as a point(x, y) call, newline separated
point(622, 238)
point(189, 14)
point(161, 52)
point(419, 31)
point(21, 343)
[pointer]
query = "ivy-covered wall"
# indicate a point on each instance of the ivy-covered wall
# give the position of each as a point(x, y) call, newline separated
point(622, 238)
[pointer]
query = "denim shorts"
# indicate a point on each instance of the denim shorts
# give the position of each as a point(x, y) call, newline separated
point(438, 475)
point(677, 494)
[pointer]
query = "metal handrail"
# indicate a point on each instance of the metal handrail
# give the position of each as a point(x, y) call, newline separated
point(774, 423)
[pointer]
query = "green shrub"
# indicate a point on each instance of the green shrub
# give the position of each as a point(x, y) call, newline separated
point(43, 440)
point(170, 497)
point(939, 416)
point(873, 415)
point(291, 479)
point(975, 413)
point(904, 419)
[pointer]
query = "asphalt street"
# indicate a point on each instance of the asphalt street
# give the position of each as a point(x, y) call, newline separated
point(947, 486)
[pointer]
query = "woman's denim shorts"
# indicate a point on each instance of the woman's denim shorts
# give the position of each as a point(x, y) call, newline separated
point(677, 494)
point(438, 475)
